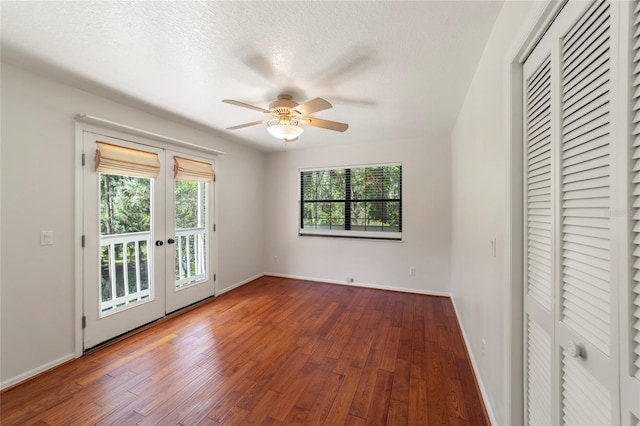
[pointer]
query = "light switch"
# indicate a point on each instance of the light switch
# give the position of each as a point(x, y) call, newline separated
point(46, 238)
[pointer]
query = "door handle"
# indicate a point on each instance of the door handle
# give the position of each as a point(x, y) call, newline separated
point(171, 241)
point(575, 350)
point(159, 243)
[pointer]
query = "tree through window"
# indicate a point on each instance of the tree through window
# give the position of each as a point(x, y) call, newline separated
point(357, 202)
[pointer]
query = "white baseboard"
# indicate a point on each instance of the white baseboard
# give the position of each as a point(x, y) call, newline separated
point(34, 372)
point(476, 371)
point(24, 376)
point(374, 286)
point(241, 283)
point(41, 369)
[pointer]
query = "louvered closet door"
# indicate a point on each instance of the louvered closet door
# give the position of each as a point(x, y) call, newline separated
point(571, 333)
point(586, 293)
point(630, 365)
point(539, 294)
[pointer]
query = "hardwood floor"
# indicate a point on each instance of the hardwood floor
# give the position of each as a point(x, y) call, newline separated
point(274, 351)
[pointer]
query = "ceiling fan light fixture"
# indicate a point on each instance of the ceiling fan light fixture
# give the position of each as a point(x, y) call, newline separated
point(284, 131)
point(287, 117)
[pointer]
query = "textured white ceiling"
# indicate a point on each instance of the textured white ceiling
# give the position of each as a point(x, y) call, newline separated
point(392, 70)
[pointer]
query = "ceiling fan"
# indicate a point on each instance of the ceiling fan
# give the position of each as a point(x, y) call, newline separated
point(287, 115)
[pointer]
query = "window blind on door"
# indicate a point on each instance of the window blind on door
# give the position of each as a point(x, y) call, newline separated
point(186, 169)
point(538, 185)
point(120, 160)
point(585, 177)
point(635, 188)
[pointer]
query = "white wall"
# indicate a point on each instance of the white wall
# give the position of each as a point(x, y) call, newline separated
point(425, 222)
point(454, 203)
point(479, 207)
point(37, 177)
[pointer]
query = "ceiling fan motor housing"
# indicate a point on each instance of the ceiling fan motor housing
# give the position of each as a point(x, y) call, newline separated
point(283, 105)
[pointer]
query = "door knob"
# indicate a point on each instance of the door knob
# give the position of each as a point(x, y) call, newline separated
point(575, 350)
point(159, 243)
point(171, 241)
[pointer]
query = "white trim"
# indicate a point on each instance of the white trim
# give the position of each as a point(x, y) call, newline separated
point(365, 285)
point(78, 252)
point(240, 284)
point(90, 119)
point(35, 371)
point(375, 235)
point(534, 27)
point(215, 227)
point(474, 365)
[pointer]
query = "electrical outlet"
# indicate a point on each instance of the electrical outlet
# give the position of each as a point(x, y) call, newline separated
point(276, 260)
point(349, 280)
point(412, 271)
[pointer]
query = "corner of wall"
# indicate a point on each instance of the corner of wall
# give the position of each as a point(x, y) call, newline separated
point(474, 365)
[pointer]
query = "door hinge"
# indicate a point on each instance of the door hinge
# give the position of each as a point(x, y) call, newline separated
point(214, 177)
point(84, 321)
point(214, 277)
point(83, 240)
point(83, 159)
point(214, 227)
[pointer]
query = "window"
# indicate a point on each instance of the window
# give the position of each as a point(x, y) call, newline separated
point(354, 202)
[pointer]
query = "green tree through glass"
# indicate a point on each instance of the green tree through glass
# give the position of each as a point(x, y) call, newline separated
point(125, 207)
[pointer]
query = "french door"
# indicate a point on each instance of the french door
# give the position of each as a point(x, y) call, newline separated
point(189, 213)
point(147, 226)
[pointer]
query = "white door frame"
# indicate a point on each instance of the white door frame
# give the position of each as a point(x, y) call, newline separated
point(132, 134)
point(536, 24)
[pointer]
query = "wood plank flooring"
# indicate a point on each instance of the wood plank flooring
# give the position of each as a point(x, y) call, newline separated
point(274, 351)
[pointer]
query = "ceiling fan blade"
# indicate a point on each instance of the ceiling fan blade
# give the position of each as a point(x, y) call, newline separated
point(325, 124)
point(240, 126)
point(314, 105)
point(242, 104)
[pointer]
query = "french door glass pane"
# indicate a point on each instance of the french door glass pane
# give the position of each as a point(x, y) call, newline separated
point(125, 235)
point(191, 232)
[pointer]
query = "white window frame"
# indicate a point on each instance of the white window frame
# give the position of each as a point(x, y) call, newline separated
point(338, 233)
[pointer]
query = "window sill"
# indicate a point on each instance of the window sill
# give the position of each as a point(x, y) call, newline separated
point(367, 235)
